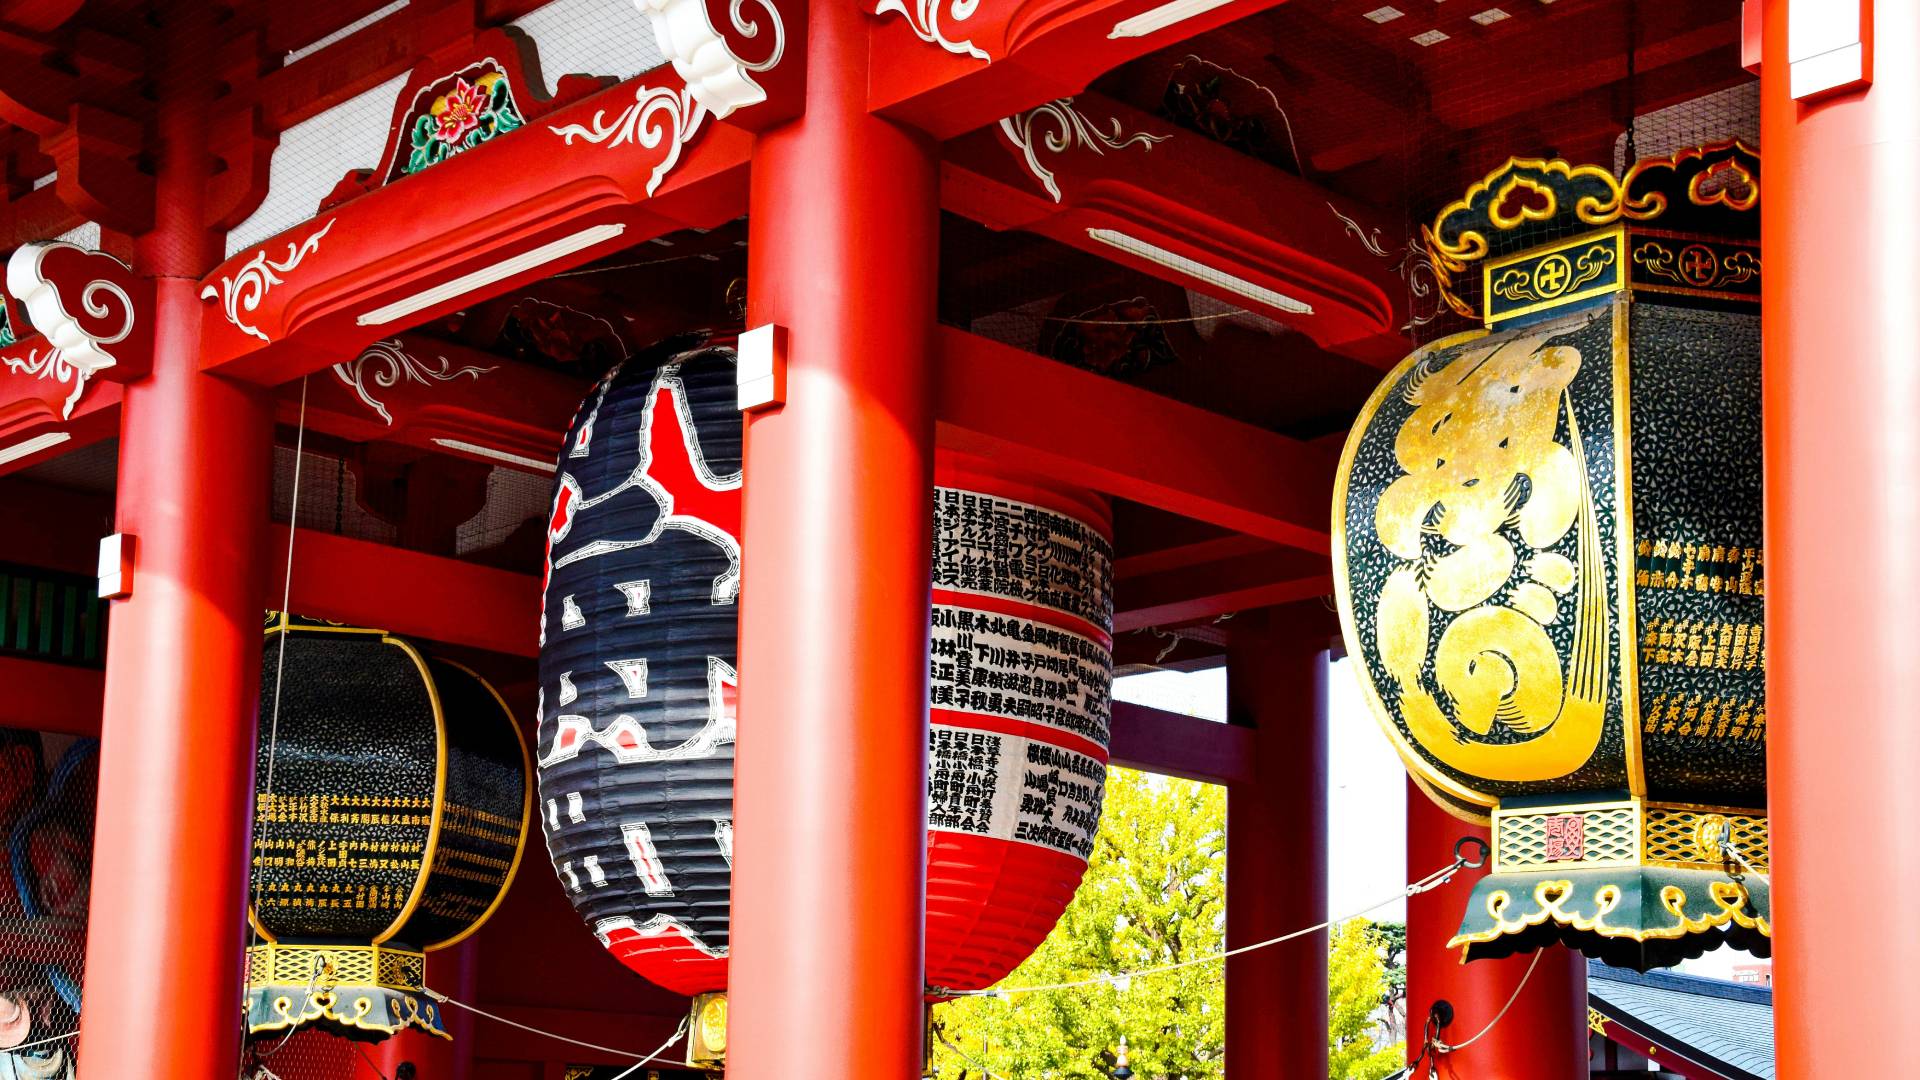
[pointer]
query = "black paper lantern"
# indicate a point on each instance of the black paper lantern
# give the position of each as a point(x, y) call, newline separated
point(637, 664)
point(1548, 558)
point(393, 790)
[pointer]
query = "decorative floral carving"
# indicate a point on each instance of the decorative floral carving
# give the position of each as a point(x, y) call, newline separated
point(658, 115)
point(468, 114)
point(1414, 264)
point(394, 364)
point(50, 364)
point(924, 17)
point(1071, 128)
point(249, 285)
point(716, 75)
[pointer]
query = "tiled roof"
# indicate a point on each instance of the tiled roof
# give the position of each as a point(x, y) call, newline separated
point(1728, 1024)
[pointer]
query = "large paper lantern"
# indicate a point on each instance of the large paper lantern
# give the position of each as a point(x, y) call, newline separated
point(392, 798)
point(1548, 557)
point(637, 670)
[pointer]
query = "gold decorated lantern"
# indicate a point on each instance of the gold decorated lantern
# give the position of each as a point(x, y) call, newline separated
point(1547, 555)
point(392, 793)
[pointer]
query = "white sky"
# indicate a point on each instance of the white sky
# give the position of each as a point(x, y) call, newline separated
point(1366, 788)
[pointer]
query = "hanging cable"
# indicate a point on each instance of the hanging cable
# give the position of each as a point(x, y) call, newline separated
point(635, 1067)
point(495, 1017)
point(42, 1042)
point(1445, 1048)
point(1426, 884)
point(279, 670)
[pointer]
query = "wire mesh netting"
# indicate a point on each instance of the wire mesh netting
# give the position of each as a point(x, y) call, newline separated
point(424, 502)
point(47, 788)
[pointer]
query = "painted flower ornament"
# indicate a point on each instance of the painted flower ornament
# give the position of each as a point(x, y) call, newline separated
point(458, 111)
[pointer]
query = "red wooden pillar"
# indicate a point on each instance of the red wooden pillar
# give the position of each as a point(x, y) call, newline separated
point(183, 652)
point(830, 840)
point(1839, 223)
point(1277, 847)
point(1544, 1035)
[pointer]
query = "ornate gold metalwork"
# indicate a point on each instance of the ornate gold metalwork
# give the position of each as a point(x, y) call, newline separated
point(1554, 896)
point(1684, 837)
point(1466, 449)
point(1553, 276)
point(1540, 192)
point(367, 987)
point(296, 965)
point(1631, 832)
point(1596, 1021)
point(707, 1031)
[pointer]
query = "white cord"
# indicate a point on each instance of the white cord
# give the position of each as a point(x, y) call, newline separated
point(40, 1042)
point(1431, 881)
point(478, 1011)
point(1444, 1048)
point(635, 1067)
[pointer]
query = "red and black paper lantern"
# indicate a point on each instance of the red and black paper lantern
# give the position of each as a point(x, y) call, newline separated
point(637, 672)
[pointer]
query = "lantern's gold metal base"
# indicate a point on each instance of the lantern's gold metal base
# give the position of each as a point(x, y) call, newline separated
point(707, 1032)
point(1629, 832)
point(365, 992)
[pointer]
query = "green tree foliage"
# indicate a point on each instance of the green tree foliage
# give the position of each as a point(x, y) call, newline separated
point(1391, 937)
point(1155, 893)
point(1356, 991)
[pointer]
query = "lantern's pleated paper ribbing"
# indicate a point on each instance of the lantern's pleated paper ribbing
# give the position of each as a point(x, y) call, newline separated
point(640, 632)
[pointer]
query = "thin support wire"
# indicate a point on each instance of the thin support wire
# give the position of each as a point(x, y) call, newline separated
point(279, 670)
point(1445, 1048)
point(1426, 884)
point(495, 1017)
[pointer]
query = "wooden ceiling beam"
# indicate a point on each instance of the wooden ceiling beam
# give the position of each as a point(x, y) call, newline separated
point(1225, 586)
point(1085, 429)
point(1011, 55)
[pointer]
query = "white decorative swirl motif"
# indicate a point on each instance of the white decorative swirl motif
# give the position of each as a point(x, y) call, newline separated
point(657, 114)
point(716, 77)
point(1072, 128)
point(51, 364)
point(924, 17)
point(396, 364)
point(79, 345)
point(1414, 265)
point(90, 302)
point(249, 285)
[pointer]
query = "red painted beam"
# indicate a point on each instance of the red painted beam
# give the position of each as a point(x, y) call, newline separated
point(34, 407)
point(1210, 218)
point(1081, 428)
point(1174, 744)
point(1181, 556)
point(41, 696)
point(406, 592)
point(1024, 52)
point(517, 209)
point(481, 406)
point(1238, 583)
